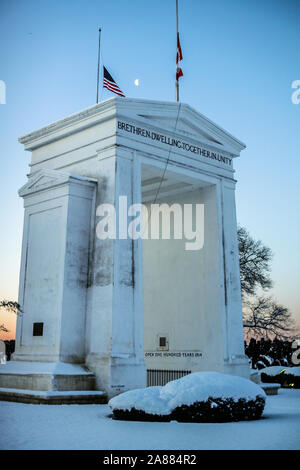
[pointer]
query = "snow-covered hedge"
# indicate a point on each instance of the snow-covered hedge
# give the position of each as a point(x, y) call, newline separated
point(292, 377)
point(197, 397)
point(272, 371)
point(286, 377)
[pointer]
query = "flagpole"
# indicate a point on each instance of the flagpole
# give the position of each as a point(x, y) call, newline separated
point(177, 81)
point(98, 67)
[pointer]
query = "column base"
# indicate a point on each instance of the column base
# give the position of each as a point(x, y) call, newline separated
point(238, 366)
point(117, 374)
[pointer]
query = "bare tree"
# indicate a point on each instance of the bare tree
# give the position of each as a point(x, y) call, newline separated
point(11, 306)
point(264, 317)
point(254, 263)
point(2, 328)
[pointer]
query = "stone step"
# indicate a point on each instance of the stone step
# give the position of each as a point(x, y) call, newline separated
point(83, 397)
point(270, 388)
point(46, 376)
point(47, 382)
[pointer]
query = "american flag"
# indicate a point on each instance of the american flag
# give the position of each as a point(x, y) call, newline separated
point(110, 84)
point(178, 59)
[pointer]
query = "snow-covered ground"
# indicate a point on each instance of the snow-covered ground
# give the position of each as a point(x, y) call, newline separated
point(24, 426)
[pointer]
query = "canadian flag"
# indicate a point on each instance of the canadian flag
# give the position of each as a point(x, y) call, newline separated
point(178, 59)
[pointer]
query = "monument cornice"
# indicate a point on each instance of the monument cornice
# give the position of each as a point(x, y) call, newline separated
point(146, 111)
point(70, 125)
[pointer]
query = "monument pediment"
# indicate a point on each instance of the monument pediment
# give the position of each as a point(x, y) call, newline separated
point(45, 179)
point(164, 115)
point(182, 119)
point(184, 127)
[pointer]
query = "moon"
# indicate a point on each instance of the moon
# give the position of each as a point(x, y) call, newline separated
point(136, 82)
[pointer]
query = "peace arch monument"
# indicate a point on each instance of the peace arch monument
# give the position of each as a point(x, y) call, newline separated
point(113, 314)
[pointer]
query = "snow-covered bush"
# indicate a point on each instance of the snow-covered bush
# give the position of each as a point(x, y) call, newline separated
point(264, 361)
point(145, 404)
point(265, 353)
point(197, 397)
point(286, 377)
point(273, 374)
point(292, 377)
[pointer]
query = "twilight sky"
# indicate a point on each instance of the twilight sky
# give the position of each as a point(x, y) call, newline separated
point(239, 61)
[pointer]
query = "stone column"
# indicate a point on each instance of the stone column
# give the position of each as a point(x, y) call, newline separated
point(54, 267)
point(115, 320)
point(235, 361)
